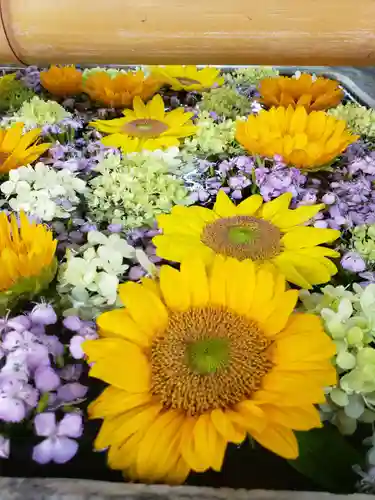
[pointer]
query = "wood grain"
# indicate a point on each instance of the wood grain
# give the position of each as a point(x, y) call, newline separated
point(281, 32)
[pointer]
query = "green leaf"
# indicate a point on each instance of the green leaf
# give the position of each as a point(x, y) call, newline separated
point(327, 458)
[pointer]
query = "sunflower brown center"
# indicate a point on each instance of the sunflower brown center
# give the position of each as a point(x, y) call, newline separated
point(243, 237)
point(207, 358)
point(145, 127)
point(187, 81)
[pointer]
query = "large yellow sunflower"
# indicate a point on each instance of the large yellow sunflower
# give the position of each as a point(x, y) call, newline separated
point(188, 78)
point(62, 81)
point(26, 250)
point(314, 95)
point(147, 126)
point(303, 140)
point(202, 359)
point(119, 91)
point(268, 232)
point(18, 149)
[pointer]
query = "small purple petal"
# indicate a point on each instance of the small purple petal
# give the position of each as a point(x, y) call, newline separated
point(43, 452)
point(75, 346)
point(72, 323)
point(46, 379)
point(70, 392)
point(64, 450)
point(353, 262)
point(71, 426)
point(45, 424)
point(11, 410)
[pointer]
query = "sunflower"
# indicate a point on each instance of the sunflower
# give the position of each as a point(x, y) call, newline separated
point(201, 359)
point(301, 139)
point(62, 81)
point(119, 91)
point(147, 126)
point(188, 78)
point(263, 232)
point(312, 94)
point(18, 149)
point(26, 250)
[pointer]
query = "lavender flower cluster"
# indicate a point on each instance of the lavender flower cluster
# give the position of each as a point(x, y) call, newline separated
point(40, 375)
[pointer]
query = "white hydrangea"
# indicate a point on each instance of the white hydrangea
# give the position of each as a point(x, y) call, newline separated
point(90, 277)
point(43, 191)
point(349, 318)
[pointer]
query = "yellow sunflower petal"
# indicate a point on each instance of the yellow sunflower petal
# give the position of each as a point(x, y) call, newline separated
point(178, 248)
point(299, 418)
point(119, 363)
point(175, 289)
point(119, 323)
point(223, 206)
point(114, 401)
point(240, 285)
point(274, 207)
point(300, 215)
point(280, 315)
point(279, 440)
point(139, 299)
point(226, 427)
point(250, 205)
point(217, 281)
point(286, 266)
point(262, 303)
point(301, 237)
point(195, 275)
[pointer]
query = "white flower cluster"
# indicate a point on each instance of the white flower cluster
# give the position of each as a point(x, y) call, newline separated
point(212, 138)
point(38, 112)
point(43, 192)
point(349, 318)
point(134, 189)
point(90, 277)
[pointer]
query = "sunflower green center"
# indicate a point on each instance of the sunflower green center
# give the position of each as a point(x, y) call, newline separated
point(187, 81)
point(207, 358)
point(243, 237)
point(145, 127)
point(207, 355)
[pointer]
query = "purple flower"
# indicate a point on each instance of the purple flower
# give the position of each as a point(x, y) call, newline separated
point(15, 398)
point(46, 379)
point(71, 392)
point(43, 314)
point(58, 447)
point(71, 372)
point(353, 262)
point(75, 346)
point(28, 344)
point(115, 228)
point(72, 323)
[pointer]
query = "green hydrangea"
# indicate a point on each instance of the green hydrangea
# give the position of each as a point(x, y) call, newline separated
point(250, 76)
point(360, 120)
point(349, 319)
point(37, 113)
point(13, 93)
point(134, 189)
point(363, 242)
point(225, 101)
point(212, 139)
point(112, 72)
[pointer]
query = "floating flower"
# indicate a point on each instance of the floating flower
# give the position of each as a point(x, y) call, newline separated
point(119, 91)
point(62, 81)
point(201, 359)
point(27, 262)
point(302, 139)
point(268, 232)
point(225, 101)
point(148, 126)
point(37, 113)
point(313, 94)
point(360, 119)
point(18, 149)
point(188, 78)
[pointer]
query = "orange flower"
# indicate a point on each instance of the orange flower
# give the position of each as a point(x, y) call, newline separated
point(120, 90)
point(63, 81)
point(313, 95)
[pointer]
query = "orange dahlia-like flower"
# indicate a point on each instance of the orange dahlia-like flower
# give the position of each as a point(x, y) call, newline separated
point(62, 81)
point(120, 90)
point(304, 140)
point(313, 95)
